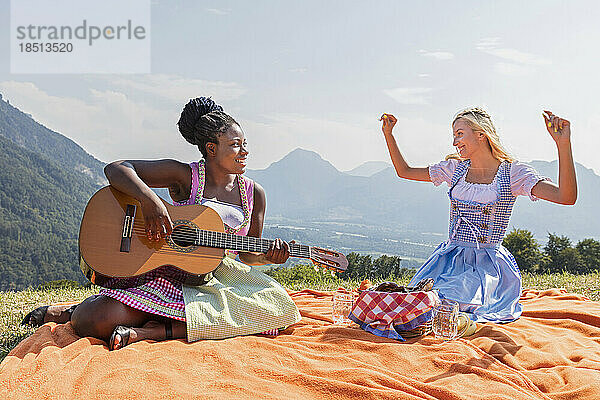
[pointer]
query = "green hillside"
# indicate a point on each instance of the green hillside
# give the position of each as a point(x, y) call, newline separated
point(46, 180)
point(41, 203)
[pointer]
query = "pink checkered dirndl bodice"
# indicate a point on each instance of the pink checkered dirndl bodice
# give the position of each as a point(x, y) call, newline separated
point(160, 295)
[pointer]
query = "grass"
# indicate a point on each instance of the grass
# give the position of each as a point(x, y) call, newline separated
point(587, 285)
point(15, 305)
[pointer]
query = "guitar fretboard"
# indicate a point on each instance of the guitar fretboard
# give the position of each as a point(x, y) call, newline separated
point(244, 243)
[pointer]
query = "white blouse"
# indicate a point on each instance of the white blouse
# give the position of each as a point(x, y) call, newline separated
point(523, 178)
point(231, 214)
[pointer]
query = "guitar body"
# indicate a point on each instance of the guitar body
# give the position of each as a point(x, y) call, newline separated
point(115, 251)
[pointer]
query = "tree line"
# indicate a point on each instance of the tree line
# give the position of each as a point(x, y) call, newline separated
point(558, 255)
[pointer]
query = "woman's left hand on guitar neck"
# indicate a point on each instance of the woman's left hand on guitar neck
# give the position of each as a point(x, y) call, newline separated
point(278, 253)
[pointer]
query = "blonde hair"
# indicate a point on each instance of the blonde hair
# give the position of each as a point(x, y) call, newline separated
point(480, 121)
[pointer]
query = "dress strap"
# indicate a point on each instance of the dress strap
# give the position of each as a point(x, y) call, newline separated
point(201, 179)
point(249, 185)
point(459, 172)
point(193, 187)
point(504, 181)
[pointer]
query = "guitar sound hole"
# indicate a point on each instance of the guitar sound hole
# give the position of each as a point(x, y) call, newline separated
point(183, 236)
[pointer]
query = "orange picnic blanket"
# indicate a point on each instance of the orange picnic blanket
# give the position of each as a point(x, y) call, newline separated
point(551, 352)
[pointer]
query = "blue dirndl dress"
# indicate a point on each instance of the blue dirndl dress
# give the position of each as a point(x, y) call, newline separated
point(472, 267)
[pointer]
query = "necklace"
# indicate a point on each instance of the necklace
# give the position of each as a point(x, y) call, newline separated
point(243, 196)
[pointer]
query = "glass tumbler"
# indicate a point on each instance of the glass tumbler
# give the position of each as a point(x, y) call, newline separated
point(445, 320)
point(342, 306)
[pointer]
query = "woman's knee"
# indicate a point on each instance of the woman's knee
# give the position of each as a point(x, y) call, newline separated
point(97, 316)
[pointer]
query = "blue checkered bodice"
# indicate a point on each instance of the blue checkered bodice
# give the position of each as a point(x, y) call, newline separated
point(481, 223)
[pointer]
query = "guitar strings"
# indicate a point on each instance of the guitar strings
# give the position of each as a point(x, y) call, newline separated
point(304, 251)
point(260, 242)
point(139, 229)
point(224, 237)
point(168, 248)
point(300, 250)
point(170, 251)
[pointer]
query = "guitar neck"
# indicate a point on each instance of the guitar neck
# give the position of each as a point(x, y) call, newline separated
point(244, 243)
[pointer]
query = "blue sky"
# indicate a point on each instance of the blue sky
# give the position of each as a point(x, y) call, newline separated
point(317, 75)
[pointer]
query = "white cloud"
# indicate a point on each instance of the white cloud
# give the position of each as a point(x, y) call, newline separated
point(515, 62)
point(298, 70)
point(416, 96)
point(438, 55)
point(488, 43)
point(219, 11)
point(518, 56)
point(512, 69)
point(423, 75)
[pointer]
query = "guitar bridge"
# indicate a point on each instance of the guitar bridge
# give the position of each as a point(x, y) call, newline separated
point(127, 228)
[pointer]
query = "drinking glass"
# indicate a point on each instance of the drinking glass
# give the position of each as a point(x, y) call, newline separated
point(445, 320)
point(342, 306)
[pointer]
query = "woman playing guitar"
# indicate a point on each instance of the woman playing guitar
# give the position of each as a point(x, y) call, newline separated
point(236, 299)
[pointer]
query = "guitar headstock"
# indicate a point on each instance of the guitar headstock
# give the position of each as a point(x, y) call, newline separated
point(328, 259)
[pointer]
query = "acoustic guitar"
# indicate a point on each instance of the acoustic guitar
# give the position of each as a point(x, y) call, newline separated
point(115, 252)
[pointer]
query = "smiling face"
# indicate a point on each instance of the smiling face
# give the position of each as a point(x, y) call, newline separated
point(231, 152)
point(466, 141)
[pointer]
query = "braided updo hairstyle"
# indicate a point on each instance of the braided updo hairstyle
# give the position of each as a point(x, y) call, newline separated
point(202, 120)
point(480, 121)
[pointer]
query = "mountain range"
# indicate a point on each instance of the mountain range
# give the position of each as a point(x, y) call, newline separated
point(46, 179)
point(304, 187)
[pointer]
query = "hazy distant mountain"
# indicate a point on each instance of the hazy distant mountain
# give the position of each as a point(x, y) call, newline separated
point(369, 168)
point(580, 220)
point(304, 187)
point(302, 181)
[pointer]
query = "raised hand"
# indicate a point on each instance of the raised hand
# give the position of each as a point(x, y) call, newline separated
point(388, 123)
point(558, 128)
point(566, 190)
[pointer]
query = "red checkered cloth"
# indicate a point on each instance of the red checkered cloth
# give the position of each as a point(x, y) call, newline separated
point(386, 314)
